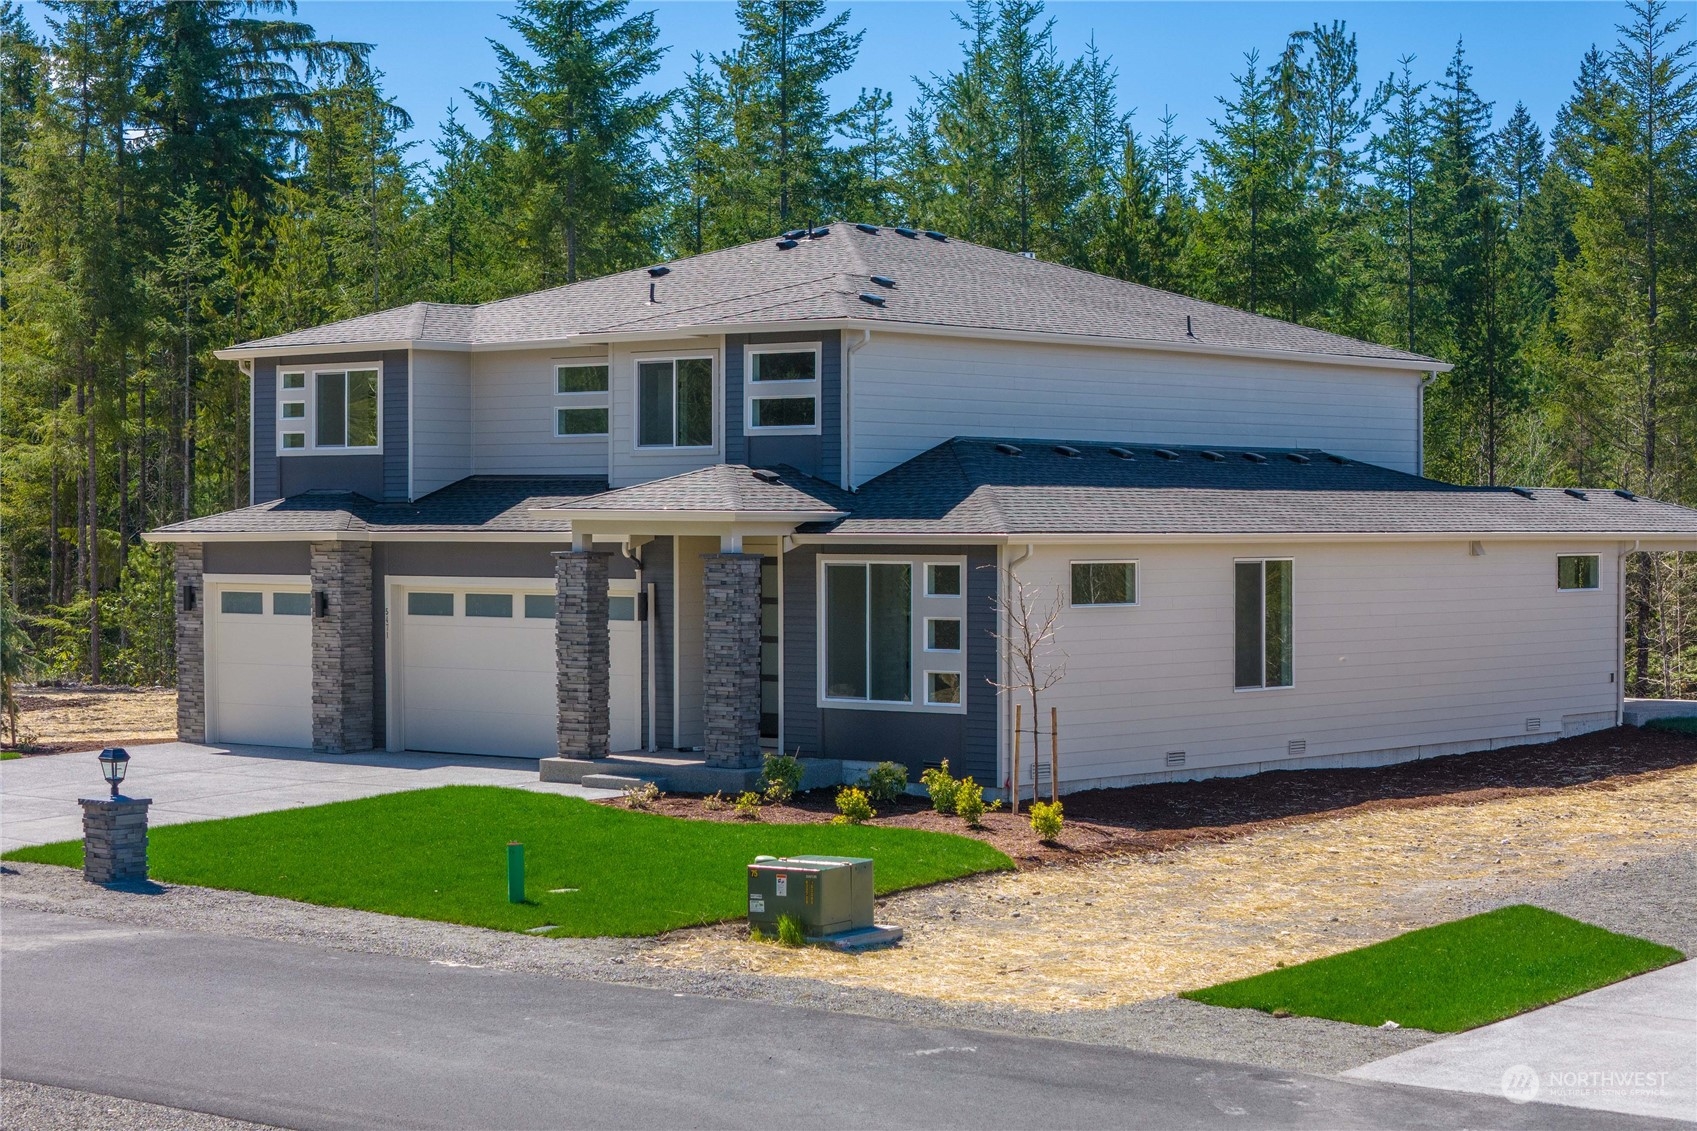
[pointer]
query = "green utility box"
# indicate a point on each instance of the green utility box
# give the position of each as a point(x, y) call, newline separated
point(828, 894)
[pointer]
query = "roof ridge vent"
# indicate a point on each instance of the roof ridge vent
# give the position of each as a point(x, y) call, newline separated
point(1574, 492)
point(938, 236)
point(658, 270)
point(795, 234)
point(868, 296)
point(882, 280)
point(1297, 457)
point(818, 233)
point(1122, 453)
point(1254, 457)
point(1068, 451)
point(1213, 457)
point(1627, 495)
point(1166, 453)
point(869, 229)
point(766, 475)
point(1009, 450)
point(910, 233)
point(1523, 492)
point(1337, 459)
point(785, 244)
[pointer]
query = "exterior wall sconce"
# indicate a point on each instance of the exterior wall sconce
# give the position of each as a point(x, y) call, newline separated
point(188, 598)
point(322, 601)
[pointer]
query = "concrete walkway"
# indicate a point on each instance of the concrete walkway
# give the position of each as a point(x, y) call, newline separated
point(38, 796)
point(1630, 1048)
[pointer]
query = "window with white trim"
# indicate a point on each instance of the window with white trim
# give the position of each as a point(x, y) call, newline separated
point(674, 402)
point(876, 615)
point(1104, 583)
point(332, 409)
point(1578, 571)
point(782, 390)
point(580, 399)
point(1265, 648)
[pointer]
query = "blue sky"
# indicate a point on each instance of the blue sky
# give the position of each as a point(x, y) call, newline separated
point(1177, 55)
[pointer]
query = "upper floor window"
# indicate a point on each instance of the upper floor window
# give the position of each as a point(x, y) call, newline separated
point(580, 406)
point(1104, 583)
point(1577, 571)
point(674, 403)
point(1265, 649)
point(329, 409)
point(783, 389)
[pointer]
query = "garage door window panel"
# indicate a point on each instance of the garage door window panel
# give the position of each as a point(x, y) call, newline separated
point(241, 601)
point(489, 605)
point(430, 604)
point(291, 604)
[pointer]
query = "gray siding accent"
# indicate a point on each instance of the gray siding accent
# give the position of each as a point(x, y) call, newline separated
point(660, 557)
point(817, 455)
point(915, 738)
point(382, 476)
point(258, 557)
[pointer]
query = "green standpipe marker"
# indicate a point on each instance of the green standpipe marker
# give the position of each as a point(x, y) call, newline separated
point(515, 872)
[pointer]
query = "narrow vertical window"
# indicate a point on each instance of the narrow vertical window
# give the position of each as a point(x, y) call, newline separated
point(654, 404)
point(332, 410)
point(1263, 629)
point(845, 631)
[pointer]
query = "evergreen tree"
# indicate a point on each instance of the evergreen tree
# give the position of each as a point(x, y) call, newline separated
point(697, 138)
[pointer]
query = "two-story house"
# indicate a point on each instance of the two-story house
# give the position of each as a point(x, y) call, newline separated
point(783, 495)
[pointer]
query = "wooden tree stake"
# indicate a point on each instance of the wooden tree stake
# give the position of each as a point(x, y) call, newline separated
point(1054, 755)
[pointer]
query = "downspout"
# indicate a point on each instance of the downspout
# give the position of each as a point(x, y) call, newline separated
point(848, 414)
point(1420, 423)
point(1008, 582)
point(1620, 632)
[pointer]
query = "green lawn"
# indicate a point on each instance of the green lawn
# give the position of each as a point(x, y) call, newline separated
point(442, 854)
point(8, 755)
point(1454, 976)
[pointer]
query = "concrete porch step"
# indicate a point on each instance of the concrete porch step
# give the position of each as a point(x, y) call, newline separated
point(617, 781)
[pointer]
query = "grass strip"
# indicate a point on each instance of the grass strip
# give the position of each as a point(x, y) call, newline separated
point(1453, 976)
point(441, 854)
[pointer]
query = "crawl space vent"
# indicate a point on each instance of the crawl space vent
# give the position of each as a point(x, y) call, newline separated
point(1175, 758)
point(1533, 726)
point(1296, 747)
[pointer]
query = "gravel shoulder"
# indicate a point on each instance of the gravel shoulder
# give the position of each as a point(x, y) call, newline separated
point(38, 1107)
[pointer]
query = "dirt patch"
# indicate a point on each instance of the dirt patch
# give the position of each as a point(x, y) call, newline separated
point(57, 720)
point(1157, 818)
point(1238, 900)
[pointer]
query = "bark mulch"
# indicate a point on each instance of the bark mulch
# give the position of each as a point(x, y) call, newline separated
point(1156, 818)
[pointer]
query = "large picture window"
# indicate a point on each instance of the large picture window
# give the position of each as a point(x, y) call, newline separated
point(1264, 649)
point(674, 403)
point(329, 409)
point(783, 389)
point(876, 618)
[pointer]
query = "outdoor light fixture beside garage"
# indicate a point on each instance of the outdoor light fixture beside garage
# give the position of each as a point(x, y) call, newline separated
point(114, 763)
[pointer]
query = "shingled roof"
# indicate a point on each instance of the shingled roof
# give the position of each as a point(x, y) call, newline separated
point(1022, 486)
point(914, 281)
point(721, 489)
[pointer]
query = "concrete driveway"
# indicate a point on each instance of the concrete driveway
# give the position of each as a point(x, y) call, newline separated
point(1629, 1048)
point(38, 796)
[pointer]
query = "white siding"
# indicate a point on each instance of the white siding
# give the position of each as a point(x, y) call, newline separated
point(1401, 650)
point(513, 416)
point(631, 465)
point(441, 419)
point(910, 392)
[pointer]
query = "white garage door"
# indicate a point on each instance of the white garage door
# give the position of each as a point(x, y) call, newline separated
point(476, 669)
point(259, 663)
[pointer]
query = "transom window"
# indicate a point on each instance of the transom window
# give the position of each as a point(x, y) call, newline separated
point(1265, 650)
point(329, 409)
point(1577, 571)
point(1104, 583)
point(674, 403)
point(580, 405)
point(875, 617)
point(783, 388)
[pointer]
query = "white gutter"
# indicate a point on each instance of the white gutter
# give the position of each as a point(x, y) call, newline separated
point(1420, 422)
point(1662, 539)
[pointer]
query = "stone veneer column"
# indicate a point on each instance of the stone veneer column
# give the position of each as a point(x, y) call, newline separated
point(191, 643)
point(731, 675)
point(341, 647)
point(114, 839)
point(581, 652)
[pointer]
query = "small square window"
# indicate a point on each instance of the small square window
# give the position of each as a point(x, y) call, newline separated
point(580, 422)
point(234, 601)
point(430, 604)
point(621, 608)
point(942, 688)
point(294, 380)
point(488, 604)
point(1104, 583)
point(294, 410)
point(294, 440)
point(580, 379)
point(539, 606)
point(1577, 571)
point(291, 604)
point(942, 580)
point(942, 634)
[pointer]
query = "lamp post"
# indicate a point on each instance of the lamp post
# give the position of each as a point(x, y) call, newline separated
point(114, 764)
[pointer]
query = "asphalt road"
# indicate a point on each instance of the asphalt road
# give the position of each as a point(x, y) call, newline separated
point(303, 1037)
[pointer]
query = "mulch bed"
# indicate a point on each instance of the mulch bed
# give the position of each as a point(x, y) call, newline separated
point(1155, 818)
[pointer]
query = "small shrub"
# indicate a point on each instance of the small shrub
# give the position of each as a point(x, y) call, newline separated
point(780, 778)
point(755, 934)
point(969, 801)
point(942, 788)
point(1046, 820)
point(642, 796)
point(886, 781)
point(790, 932)
point(715, 802)
point(853, 807)
point(747, 805)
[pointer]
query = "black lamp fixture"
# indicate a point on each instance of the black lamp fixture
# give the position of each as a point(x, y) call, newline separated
point(188, 598)
point(114, 763)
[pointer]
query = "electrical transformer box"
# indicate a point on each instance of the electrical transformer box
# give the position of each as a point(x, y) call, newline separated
point(827, 894)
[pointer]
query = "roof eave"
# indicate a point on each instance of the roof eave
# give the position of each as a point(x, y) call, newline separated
point(249, 351)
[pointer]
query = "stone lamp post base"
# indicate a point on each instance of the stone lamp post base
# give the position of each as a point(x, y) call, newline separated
point(114, 837)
